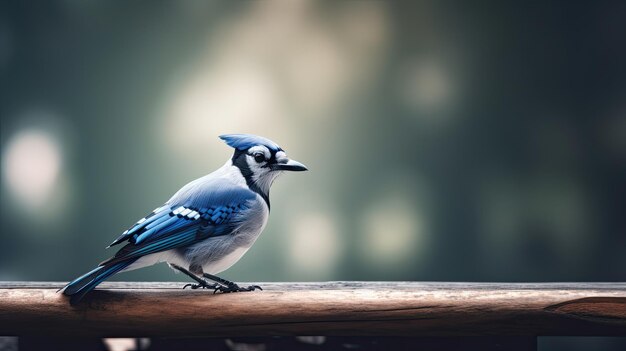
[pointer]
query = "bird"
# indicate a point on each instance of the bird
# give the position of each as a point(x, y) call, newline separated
point(206, 226)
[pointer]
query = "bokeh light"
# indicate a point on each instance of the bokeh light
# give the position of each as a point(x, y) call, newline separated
point(314, 246)
point(428, 86)
point(393, 232)
point(38, 184)
point(32, 161)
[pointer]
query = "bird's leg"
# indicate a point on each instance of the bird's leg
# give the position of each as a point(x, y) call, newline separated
point(227, 286)
point(201, 282)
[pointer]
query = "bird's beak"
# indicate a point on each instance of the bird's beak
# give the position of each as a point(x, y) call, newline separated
point(289, 165)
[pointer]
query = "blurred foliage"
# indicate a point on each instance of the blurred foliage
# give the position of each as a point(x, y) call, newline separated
point(476, 141)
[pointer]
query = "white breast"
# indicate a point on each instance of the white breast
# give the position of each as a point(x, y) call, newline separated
point(225, 261)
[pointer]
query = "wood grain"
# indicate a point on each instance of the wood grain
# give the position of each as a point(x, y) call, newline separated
point(333, 308)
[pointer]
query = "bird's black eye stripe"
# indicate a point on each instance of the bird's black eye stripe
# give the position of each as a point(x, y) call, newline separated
point(259, 157)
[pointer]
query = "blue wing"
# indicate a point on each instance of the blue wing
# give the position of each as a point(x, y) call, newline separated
point(179, 225)
point(202, 209)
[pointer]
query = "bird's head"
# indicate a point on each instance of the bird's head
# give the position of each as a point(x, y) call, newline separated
point(259, 159)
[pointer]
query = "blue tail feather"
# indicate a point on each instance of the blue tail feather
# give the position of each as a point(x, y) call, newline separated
point(80, 286)
point(72, 287)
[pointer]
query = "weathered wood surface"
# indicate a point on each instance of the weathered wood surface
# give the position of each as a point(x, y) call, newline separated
point(334, 308)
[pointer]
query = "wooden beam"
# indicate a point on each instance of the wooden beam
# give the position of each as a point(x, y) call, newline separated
point(334, 308)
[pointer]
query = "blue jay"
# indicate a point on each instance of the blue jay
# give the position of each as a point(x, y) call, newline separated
point(207, 225)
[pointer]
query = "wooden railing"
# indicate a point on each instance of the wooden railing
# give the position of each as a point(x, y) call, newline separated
point(116, 309)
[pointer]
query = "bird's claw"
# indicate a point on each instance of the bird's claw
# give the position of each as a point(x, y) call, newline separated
point(200, 286)
point(235, 288)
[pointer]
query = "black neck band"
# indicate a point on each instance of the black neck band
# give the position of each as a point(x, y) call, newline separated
point(239, 161)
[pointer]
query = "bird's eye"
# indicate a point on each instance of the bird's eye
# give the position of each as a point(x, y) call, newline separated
point(259, 158)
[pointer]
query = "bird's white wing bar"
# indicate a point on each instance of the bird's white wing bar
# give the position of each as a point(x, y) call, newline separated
point(154, 215)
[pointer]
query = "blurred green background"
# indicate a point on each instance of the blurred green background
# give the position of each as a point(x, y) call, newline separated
point(452, 141)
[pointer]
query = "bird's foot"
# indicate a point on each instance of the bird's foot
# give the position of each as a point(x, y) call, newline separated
point(232, 287)
point(201, 286)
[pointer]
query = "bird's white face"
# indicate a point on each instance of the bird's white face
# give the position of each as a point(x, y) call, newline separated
point(260, 165)
point(260, 160)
